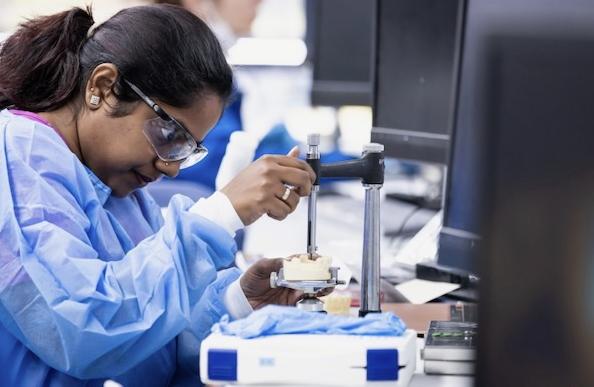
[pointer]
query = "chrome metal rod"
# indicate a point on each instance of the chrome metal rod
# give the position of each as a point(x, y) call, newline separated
point(370, 275)
point(312, 247)
point(313, 158)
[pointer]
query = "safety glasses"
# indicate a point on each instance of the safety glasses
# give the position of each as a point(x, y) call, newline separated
point(170, 139)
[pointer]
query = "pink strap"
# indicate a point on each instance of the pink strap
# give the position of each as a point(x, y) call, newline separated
point(37, 118)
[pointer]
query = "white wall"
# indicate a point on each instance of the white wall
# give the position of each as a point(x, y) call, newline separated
point(14, 12)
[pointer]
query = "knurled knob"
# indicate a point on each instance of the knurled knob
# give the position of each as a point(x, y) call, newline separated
point(313, 139)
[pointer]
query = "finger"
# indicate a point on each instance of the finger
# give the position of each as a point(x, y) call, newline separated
point(292, 200)
point(295, 296)
point(297, 178)
point(276, 263)
point(278, 209)
point(292, 162)
point(265, 266)
point(294, 152)
point(324, 292)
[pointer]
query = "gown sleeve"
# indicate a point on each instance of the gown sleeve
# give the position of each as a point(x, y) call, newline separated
point(81, 313)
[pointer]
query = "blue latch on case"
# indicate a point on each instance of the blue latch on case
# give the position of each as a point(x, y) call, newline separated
point(382, 364)
point(222, 364)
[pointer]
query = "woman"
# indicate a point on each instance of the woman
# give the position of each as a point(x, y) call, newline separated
point(94, 283)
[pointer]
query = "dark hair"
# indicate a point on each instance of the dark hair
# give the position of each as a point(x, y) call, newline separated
point(168, 52)
point(174, 2)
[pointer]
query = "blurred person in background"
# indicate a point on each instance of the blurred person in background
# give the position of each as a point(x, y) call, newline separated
point(229, 19)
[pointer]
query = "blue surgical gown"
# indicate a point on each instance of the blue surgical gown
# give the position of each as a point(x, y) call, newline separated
point(95, 287)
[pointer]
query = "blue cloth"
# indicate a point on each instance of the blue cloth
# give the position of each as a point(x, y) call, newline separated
point(278, 320)
point(93, 286)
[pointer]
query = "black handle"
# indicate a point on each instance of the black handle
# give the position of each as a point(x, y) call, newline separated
point(315, 165)
point(369, 168)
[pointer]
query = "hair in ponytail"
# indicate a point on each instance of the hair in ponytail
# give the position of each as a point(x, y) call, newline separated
point(39, 63)
point(167, 51)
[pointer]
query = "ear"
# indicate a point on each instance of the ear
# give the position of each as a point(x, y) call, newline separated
point(99, 87)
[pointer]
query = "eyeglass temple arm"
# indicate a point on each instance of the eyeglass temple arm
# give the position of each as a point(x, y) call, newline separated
point(157, 109)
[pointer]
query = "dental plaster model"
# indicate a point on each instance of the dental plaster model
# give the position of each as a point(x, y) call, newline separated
point(302, 268)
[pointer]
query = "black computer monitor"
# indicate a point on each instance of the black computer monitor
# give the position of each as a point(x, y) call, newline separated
point(527, 88)
point(521, 177)
point(339, 38)
point(417, 49)
point(459, 239)
point(465, 183)
point(536, 309)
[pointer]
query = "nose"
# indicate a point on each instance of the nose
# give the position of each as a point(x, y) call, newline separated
point(168, 168)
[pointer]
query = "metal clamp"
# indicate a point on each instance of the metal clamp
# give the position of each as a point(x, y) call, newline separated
point(308, 287)
point(309, 302)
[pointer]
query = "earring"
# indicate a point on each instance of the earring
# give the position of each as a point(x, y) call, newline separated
point(166, 164)
point(95, 100)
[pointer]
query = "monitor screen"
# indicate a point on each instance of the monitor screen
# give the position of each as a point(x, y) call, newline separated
point(536, 265)
point(464, 192)
point(339, 36)
point(465, 184)
point(418, 44)
point(521, 176)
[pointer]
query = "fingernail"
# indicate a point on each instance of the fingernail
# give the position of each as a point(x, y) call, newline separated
point(296, 147)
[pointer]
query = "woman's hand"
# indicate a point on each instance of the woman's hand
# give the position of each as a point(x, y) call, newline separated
point(260, 188)
point(255, 284)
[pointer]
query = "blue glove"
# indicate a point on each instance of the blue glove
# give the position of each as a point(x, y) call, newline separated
point(277, 320)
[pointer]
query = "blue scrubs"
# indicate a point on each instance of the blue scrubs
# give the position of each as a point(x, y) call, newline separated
point(95, 287)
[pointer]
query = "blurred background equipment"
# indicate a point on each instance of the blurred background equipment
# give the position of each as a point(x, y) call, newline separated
point(417, 49)
point(340, 43)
